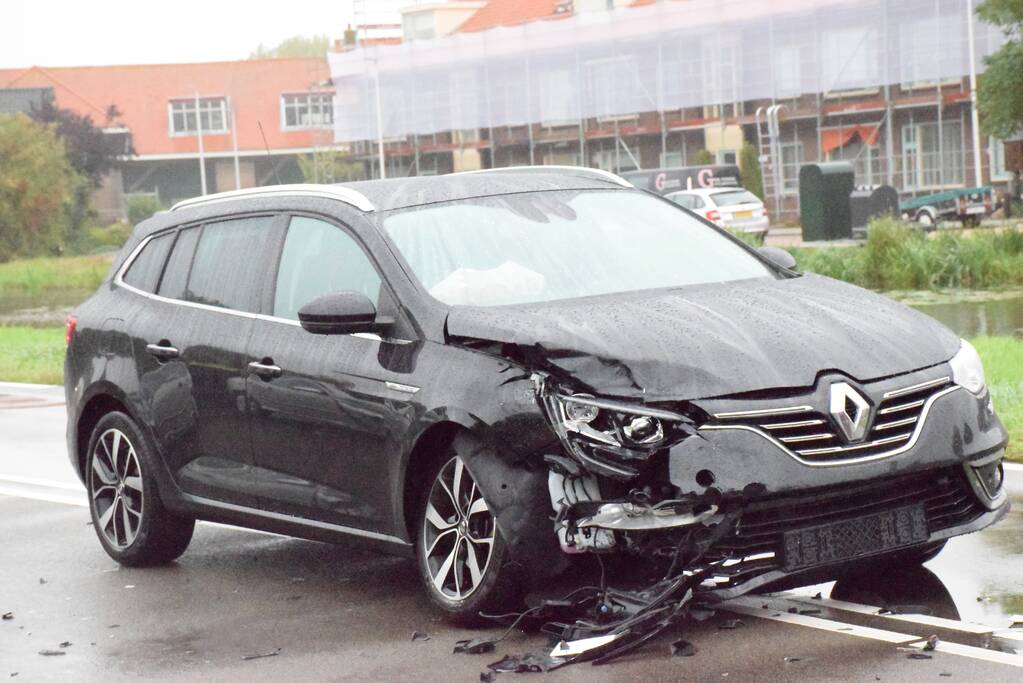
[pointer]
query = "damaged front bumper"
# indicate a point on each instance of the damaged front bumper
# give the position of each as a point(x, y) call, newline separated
point(670, 500)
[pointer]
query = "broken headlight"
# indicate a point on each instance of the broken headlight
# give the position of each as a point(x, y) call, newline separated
point(611, 437)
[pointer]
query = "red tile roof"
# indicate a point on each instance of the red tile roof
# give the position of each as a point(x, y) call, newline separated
point(142, 93)
point(512, 12)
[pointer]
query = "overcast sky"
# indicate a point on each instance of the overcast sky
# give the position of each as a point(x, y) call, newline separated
point(79, 32)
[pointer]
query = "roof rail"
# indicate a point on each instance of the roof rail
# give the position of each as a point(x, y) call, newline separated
point(343, 194)
point(581, 171)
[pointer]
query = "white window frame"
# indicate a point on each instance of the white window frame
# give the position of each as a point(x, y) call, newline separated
point(294, 100)
point(996, 160)
point(916, 166)
point(790, 185)
point(207, 105)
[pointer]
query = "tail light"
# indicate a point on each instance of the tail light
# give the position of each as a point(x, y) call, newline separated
point(70, 325)
point(714, 215)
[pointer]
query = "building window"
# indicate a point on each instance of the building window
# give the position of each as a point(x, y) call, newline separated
point(307, 110)
point(925, 162)
point(997, 152)
point(212, 116)
point(726, 157)
point(791, 160)
point(671, 159)
point(866, 160)
point(849, 59)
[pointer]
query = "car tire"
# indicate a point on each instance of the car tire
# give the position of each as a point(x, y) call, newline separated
point(129, 517)
point(462, 558)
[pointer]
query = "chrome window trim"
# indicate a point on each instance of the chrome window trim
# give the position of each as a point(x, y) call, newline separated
point(296, 520)
point(118, 281)
point(845, 461)
point(342, 194)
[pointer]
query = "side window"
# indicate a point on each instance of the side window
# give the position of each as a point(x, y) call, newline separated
point(226, 268)
point(144, 271)
point(684, 200)
point(320, 258)
point(698, 203)
point(175, 275)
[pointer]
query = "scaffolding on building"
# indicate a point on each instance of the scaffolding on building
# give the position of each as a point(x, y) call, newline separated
point(586, 88)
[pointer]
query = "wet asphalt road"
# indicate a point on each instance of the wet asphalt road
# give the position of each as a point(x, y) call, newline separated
point(332, 613)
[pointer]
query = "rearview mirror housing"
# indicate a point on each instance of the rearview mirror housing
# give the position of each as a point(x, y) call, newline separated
point(340, 313)
point(778, 257)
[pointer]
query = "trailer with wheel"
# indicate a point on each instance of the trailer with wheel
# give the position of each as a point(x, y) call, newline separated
point(968, 205)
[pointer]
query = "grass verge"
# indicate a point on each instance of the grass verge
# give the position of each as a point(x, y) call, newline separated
point(1003, 367)
point(39, 275)
point(36, 355)
point(30, 354)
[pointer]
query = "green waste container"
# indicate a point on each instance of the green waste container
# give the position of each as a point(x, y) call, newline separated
point(824, 191)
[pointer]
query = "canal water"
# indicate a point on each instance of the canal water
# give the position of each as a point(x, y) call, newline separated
point(1002, 316)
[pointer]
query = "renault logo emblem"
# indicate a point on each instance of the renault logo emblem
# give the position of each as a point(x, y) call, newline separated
point(849, 410)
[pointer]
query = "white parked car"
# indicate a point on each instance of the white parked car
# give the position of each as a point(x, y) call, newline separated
point(732, 208)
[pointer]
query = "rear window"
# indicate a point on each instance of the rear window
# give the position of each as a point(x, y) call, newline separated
point(226, 268)
point(689, 201)
point(175, 275)
point(733, 197)
point(144, 271)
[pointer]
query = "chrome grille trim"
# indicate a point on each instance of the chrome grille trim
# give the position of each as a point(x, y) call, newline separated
point(765, 412)
point(807, 437)
point(792, 425)
point(879, 427)
point(901, 407)
point(856, 447)
point(901, 442)
point(916, 387)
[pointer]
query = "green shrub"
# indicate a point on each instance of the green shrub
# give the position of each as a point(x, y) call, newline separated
point(141, 207)
point(106, 238)
point(702, 158)
point(899, 257)
point(749, 166)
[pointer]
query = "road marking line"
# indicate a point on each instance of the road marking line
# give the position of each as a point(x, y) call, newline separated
point(751, 607)
point(46, 497)
point(32, 481)
point(974, 653)
point(869, 610)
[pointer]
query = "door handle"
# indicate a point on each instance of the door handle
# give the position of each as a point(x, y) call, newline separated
point(265, 369)
point(162, 350)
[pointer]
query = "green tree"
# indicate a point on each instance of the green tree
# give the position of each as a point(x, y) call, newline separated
point(749, 166)
point(38, 186)
point(1000, 90)
point(296, 46)
point(702, 158)
point(330, 166)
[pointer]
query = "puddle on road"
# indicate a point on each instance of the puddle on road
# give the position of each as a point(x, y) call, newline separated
point(977, 578)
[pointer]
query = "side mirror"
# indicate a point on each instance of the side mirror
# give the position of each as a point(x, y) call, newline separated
point(339, 313)
point(778, 257)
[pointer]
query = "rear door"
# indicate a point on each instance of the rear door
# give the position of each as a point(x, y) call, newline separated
point(324, 415)
point(190, 342)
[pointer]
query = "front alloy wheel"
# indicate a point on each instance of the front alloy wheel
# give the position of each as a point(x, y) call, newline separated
point(116, 488)
point(458, 532)
point(462, 557)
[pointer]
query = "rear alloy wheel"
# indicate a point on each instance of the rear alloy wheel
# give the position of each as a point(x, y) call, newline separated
point(116, 486)
point(461, 553)
point(130, 519)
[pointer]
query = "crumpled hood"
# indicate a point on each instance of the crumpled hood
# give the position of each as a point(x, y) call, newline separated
point(716, 340)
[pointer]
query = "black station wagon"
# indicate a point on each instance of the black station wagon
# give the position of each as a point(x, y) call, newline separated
point(492, 372)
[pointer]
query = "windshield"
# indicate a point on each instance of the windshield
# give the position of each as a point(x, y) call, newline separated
point(734, 197)
point(546, 246)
